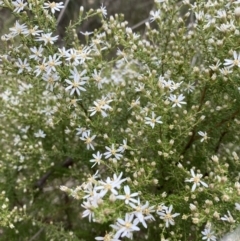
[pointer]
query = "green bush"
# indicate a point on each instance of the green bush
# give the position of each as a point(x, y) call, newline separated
point(123, 135)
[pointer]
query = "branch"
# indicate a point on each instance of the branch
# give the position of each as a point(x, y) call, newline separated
point(219, 141)
point(40, 183)
point(62, 12)
point(192, 138)
point(233, 115)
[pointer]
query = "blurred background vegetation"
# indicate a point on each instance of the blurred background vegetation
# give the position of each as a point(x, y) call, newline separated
point(135, 11)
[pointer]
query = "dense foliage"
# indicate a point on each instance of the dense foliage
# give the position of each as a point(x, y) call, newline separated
point(123, 135)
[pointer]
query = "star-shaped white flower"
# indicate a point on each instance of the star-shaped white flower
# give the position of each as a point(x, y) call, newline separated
point(54, 6)
point(152, 121)
point(233, 62)
point(196, 179)
point(177, 100)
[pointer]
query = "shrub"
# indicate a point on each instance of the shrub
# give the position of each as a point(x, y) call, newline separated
point(124, 136)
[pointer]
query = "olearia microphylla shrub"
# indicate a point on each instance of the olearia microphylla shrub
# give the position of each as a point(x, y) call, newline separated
point(123, 136)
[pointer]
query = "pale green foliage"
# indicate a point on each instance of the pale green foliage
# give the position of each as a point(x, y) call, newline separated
point(139, 134)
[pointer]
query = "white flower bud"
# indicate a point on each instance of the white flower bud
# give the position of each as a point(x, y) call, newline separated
point(81, 9)
point(237, 12)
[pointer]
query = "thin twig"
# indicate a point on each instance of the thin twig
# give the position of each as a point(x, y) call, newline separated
point(36, 234)
point(140, 23)
point(230, 118)
point(62, 12)
point(219, 141)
